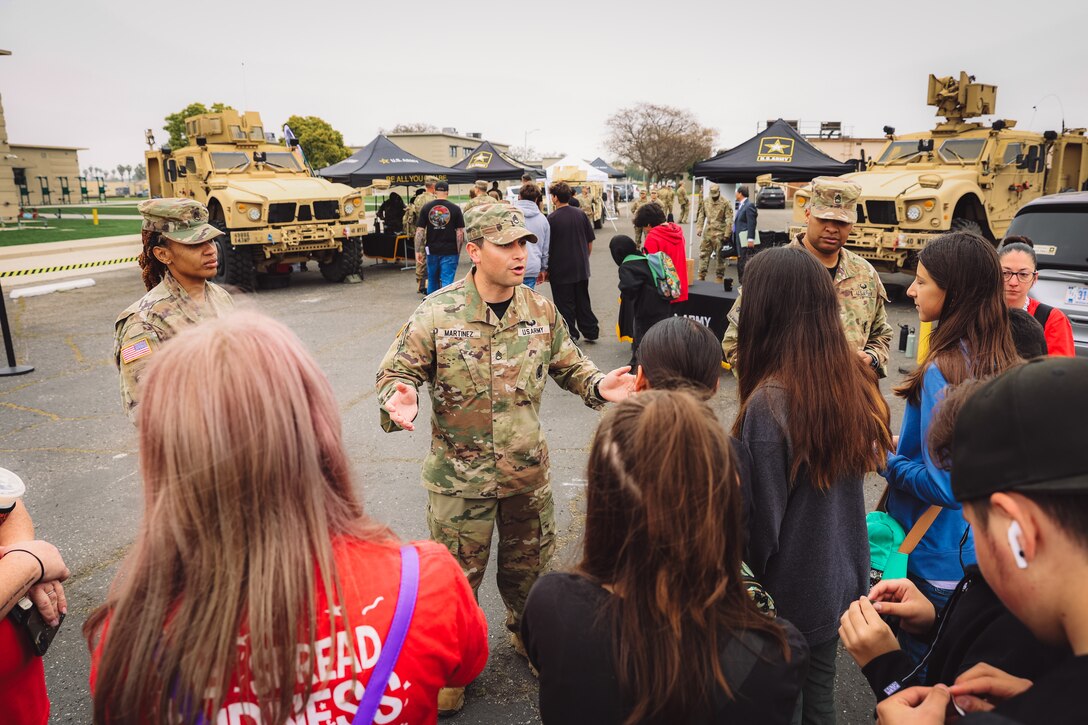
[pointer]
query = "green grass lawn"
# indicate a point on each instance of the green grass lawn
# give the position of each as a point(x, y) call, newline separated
point(51, 211)
point(65, 229)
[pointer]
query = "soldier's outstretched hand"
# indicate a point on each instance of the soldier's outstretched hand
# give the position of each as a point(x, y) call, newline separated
point(617, 385)
point(403, 406)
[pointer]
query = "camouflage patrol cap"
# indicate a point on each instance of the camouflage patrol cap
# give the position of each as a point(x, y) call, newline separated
point(481, 185)
point(430, 180)
point(179, 220)
point(835, 199)
point(499, 223)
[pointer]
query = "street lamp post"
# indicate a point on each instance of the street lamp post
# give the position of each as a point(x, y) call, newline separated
point(525, 141)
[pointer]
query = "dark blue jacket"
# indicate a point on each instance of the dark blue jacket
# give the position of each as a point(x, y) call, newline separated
point(745, 221)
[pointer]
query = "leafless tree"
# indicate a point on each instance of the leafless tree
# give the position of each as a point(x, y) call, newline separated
point(411, 128)
point(663, 140)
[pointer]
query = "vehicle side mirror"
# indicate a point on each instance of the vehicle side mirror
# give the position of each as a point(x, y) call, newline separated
point(172, 170)
point(1033, 163)
point(1020, 163)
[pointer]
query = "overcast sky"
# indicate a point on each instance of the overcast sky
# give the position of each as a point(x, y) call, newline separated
point(96, 74)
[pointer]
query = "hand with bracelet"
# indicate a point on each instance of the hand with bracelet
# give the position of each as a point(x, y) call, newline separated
point(34, 569)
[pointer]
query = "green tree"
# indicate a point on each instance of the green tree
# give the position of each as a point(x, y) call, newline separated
point(322, 144)
point(139, 173)
point(175, 122)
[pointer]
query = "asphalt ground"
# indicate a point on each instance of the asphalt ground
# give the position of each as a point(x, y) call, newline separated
point(62, 430)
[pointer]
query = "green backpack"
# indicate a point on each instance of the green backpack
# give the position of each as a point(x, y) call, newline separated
point(890, 546)
point(666, 280)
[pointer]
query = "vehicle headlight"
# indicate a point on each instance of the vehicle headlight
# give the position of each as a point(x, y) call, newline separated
point(349, 208)
point(254, 214)
point(914, 212)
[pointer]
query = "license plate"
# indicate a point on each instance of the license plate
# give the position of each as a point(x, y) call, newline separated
point(1076, 295)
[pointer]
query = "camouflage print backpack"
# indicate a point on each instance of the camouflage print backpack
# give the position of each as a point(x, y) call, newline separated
point(666, 280)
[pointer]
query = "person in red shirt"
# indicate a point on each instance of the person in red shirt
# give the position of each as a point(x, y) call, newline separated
point(1020, 269)
point(258, 590)
point(33, 569)
point(665, 237)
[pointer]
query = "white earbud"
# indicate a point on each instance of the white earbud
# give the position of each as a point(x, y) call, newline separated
point(1015, 546)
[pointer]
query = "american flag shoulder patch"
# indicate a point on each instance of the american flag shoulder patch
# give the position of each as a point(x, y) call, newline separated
point(135, 351)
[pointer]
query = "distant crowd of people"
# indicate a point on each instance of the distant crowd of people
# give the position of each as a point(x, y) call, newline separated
point(721, 565)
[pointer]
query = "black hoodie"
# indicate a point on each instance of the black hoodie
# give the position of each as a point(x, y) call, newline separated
point(639, 300)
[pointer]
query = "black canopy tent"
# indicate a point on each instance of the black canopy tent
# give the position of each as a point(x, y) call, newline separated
point(487, 162)
point(607, 168)
point(383, 159)
point(779, 151)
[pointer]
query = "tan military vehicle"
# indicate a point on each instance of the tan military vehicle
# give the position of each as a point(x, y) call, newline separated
point(274, 211)
point(960, 175)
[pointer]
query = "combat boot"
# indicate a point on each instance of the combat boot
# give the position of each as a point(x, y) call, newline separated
point(519, 647)
point(451, 700)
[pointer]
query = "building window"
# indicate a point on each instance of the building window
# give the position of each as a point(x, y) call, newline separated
point(466, 151)
point(453, 152)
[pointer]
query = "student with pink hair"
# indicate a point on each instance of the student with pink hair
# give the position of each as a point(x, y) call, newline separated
point(258, 588)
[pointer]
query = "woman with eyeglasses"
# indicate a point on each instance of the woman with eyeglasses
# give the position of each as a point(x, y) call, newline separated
point(1020, 269)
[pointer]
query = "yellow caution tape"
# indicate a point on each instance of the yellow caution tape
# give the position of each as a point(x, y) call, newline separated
point(66, 267)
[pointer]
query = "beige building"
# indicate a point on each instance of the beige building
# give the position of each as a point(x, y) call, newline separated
point(445, 147)
point(847, 148)
point(44, 171)
point(9, 195)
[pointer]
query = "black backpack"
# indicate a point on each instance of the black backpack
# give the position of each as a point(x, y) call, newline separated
point(1042, 314)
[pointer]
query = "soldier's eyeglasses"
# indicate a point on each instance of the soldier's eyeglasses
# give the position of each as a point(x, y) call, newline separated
point(1024, 277)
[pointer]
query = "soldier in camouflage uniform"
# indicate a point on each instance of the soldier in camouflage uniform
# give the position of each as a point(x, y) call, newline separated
point(717, 213)
point(682, 200)
point(590, 203)
point(481, 196)
point(178, 259)
point(411, 215)
point(637, 204)
point(664, 197)
point(830, 216)
point(486, 345)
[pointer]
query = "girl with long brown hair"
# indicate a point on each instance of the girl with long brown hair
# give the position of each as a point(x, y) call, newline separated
point(815, 423)
point(257, 586)
point(655, 624)
point(959, 287)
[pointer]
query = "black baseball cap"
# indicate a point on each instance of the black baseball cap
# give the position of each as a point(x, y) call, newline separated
point(441, 185)
point(1023, 431)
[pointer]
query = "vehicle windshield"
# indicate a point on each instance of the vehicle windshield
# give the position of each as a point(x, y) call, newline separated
point(226, 160)
point(958, 150)
point(283, 160)
point(1059, 236)
point(897, 150)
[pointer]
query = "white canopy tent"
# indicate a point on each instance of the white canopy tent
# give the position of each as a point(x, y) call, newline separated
point(570, 168)
point(574, 170)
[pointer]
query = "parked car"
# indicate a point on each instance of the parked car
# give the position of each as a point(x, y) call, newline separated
point(1058, 225)
point(771, 197)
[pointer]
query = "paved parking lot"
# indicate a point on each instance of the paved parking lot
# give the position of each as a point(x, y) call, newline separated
point(62, 430)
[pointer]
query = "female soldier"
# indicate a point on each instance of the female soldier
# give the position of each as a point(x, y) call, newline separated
point(178, 259)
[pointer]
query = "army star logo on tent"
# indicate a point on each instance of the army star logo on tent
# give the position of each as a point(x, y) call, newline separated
point(775, 149)
point(480, 160)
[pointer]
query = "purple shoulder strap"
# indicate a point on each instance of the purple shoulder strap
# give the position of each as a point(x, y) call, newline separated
point(398, 630)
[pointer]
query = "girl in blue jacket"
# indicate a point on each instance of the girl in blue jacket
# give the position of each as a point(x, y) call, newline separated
point(958, 287)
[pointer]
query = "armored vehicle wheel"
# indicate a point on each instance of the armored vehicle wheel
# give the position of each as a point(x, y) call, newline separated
point(237, 267)
point(345, 263)
point(967, 225)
